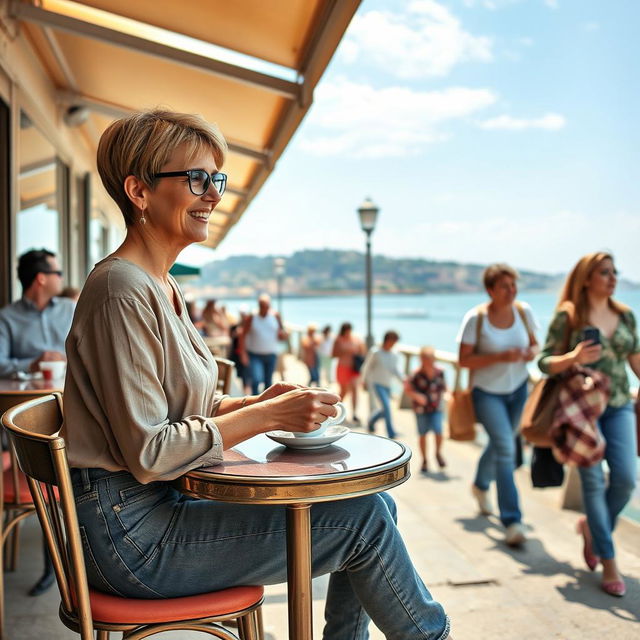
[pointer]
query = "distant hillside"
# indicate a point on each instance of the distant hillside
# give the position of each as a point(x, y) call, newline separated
point(323, 272)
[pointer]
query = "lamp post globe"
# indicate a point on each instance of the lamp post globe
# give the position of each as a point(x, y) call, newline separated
point(368, 215)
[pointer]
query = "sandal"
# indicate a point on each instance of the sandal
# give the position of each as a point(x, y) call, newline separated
point(590, 558)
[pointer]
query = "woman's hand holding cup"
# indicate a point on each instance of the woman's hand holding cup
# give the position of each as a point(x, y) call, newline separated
point(303, 411)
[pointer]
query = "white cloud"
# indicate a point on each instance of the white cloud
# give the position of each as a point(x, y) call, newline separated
point(492, 5)
point(549, 122)
point(426, 41)
point(360, 121)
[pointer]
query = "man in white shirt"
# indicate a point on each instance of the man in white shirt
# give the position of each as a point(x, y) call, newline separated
point(378, 371)
point(262, 331)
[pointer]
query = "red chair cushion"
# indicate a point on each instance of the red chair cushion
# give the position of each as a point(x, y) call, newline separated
point(113, 609)
point(24, 495)
point(6, 460)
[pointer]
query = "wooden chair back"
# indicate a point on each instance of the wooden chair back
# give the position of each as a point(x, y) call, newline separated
point(33, 428)
point(226, 372)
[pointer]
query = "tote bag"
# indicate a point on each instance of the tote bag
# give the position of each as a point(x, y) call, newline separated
point(541, 405)
point(461, 415)
point(460, 412)
point(538, 412)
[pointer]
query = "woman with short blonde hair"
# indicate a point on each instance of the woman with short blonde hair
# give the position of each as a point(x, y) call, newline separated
point(497, 340)
point(141, 409)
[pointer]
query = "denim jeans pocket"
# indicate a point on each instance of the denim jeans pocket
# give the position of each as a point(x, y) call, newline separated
point(145, 514)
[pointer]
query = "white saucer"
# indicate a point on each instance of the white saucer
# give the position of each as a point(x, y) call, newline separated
point(328, 437)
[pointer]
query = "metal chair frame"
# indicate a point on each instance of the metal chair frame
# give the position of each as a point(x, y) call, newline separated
point(33, 432)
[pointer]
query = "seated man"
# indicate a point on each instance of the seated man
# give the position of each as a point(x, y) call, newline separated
point(33, 329)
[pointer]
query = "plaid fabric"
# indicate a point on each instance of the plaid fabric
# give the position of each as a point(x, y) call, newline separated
point(583, 397)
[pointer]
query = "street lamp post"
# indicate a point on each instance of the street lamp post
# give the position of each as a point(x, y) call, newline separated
point(278, 267)
point(368, 213)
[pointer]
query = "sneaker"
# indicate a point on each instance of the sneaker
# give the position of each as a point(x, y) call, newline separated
point(515, 534)
point(482, 497)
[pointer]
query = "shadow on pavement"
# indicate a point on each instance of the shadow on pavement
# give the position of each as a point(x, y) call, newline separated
point(583, 587)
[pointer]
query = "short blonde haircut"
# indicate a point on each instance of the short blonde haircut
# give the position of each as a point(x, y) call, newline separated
point(428, 352)
point(142, 143)
point(494, 272)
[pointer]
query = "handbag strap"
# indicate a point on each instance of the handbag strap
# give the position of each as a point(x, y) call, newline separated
point(481, 311)
point(525, 321)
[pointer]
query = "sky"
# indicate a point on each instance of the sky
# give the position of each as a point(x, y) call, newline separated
point(484, 130)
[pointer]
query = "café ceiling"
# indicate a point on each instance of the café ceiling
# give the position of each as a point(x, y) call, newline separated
point(112, 57)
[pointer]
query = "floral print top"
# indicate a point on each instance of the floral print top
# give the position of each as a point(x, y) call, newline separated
point(615, 351)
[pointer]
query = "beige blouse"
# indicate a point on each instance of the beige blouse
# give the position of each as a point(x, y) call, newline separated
point(140, 388)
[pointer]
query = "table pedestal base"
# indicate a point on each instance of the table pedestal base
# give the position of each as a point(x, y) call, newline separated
point(299, 571)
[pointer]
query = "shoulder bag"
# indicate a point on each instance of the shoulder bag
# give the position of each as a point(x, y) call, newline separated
point(541, 405)
point(461, 415)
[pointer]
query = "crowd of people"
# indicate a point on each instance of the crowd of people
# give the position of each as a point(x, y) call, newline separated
point(141, 406)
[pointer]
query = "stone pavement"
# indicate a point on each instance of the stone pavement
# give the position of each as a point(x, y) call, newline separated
point(540, 592)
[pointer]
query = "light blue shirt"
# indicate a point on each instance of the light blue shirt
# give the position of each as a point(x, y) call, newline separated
point(25, 332)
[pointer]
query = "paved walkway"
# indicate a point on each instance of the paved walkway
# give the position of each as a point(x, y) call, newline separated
point(541, 592)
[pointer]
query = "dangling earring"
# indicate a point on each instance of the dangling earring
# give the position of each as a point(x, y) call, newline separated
point(143, 220)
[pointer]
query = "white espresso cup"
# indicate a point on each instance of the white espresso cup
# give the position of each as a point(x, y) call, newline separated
point(329, 422)
point(53, 369)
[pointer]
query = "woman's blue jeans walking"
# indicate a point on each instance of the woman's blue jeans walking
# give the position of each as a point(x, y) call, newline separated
point(150, 541)
point(603, 503)
point(500, 415)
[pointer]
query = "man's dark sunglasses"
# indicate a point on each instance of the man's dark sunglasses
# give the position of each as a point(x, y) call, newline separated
point(57, 272)
point(199, 180)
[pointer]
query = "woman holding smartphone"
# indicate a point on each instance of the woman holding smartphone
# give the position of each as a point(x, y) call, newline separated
point(591, 328)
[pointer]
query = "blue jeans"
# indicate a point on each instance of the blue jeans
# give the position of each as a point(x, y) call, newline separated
point(500, 415)
point(150, 541)
point(429, 422)
point(261, 367)
point(314, 375)
point(384, 395)
point(603, 503)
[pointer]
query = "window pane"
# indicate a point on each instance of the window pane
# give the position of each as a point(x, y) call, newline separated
point(39, 221)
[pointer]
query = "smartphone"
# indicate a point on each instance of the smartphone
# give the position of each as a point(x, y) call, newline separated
point(591, 333)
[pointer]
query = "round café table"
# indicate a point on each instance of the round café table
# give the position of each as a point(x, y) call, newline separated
point(260, 471)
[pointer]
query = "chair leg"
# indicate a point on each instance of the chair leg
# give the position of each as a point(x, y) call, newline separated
point(15, 548)
point(258, 614)
point(101, 634)
point(248, 627)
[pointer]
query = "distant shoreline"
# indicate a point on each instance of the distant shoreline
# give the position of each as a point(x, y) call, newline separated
point(222, 295)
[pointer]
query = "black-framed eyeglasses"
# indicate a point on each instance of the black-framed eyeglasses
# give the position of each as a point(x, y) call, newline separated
point(199, 180)
point(57, 272)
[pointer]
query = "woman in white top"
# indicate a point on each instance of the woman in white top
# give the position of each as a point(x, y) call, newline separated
point(497, 355)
